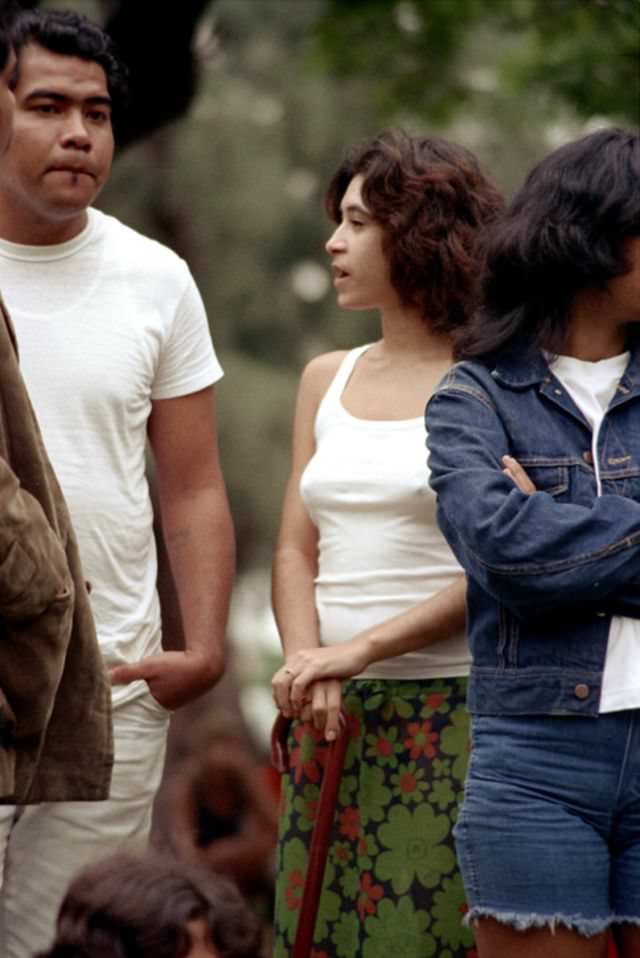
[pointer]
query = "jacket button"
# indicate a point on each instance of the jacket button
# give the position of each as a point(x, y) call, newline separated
point(581, 691)
point(588, 456)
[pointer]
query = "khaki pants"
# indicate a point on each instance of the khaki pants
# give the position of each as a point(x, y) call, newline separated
point(43, 846)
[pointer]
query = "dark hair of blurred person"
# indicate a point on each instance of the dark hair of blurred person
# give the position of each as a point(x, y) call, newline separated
point(152, 907)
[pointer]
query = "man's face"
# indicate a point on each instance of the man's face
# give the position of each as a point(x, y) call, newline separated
point(6, 104)
point(62, 147)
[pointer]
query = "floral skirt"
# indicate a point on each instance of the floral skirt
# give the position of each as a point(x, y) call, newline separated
point(392, 885)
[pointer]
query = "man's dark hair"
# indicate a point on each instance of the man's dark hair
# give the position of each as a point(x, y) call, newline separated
point(433, 202)
point(71, 34)
point(563, 232)
point(139, 907)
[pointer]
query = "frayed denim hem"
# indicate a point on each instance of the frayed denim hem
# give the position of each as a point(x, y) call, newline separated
point(587, 927)
point(626, 920)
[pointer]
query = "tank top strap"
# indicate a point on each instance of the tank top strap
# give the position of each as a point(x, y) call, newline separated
point(331, 398)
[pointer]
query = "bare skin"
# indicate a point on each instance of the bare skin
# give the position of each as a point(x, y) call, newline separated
point(500, 941)
point(419, 626)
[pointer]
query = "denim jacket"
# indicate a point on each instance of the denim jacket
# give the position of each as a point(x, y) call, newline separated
point(546, 572)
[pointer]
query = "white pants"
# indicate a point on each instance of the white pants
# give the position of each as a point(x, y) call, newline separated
point(43, 846)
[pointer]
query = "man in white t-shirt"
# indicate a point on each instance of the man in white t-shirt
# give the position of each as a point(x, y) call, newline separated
point(115, 348)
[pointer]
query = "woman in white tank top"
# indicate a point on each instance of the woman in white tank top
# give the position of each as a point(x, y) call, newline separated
point(364, 584)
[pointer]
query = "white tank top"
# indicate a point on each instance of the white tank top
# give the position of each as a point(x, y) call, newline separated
point(380, 550)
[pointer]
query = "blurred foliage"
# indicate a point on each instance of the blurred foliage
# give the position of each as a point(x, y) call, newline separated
point(414, 52)
point(235, 185)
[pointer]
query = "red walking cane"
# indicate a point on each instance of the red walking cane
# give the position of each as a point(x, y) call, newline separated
point(321, 836)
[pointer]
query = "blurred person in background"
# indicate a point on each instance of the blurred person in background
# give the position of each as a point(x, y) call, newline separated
point(223, 815)
point(548, 836)
point(116, 349)
point(153, 907)
point(364, 583)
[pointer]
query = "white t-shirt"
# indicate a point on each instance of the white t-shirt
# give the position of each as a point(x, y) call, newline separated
point(380, 550)
point(592, 386)
point(105, 323)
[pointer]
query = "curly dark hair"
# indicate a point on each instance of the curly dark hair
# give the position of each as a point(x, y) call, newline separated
point(564, 231)
point(433, 202)
point(139, 907)
point(73, 35)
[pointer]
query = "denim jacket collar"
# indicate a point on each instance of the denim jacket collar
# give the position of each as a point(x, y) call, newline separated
point(521, 368)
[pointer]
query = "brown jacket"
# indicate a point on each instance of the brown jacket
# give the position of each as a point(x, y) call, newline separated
point(55, 702)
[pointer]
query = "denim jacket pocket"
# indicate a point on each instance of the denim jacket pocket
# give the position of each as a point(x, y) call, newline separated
point(548, 475)
point(620, 478)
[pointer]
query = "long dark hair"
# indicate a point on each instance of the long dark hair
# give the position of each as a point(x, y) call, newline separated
point(563, 232)
point(433, 202)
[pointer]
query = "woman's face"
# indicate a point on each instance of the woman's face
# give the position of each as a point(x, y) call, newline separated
point(360, 265)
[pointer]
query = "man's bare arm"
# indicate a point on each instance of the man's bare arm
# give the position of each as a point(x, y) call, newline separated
point(198, 533)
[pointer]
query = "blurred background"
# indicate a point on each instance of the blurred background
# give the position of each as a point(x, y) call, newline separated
point(241, 110)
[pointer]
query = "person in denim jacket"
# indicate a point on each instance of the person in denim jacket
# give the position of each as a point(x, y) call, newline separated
point(534, 441)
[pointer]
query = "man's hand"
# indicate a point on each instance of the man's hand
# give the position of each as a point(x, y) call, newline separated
point(174, 678)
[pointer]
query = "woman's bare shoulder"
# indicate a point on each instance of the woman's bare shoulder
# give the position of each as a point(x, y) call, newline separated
point(319, 372)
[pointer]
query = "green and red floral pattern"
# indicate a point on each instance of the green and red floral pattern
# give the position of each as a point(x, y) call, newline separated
point(391, 884)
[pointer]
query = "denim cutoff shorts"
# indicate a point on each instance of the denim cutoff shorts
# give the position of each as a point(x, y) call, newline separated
point(549, 831)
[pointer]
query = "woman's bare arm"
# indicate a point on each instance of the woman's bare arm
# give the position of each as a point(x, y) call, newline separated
point(436, 619)
point(295, 562)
